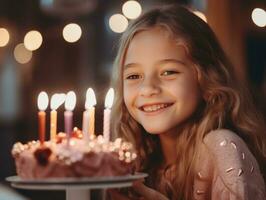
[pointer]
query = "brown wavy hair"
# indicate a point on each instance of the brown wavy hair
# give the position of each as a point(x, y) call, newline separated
point(225, 104)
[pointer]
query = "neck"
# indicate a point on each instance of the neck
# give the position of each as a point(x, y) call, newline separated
point(168, 145)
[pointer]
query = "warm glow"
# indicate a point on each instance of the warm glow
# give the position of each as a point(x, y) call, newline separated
point(109, 98)
point(4, 37)
point(131, 9)
point(72, 142)
point(72, 32)
point(21, 54)
point(33, 40)
point(118, 23)
point(70, 101)
point(57, 100)
point(90, 99)
point(42, 101)
point(200, 15)
point(259, 17)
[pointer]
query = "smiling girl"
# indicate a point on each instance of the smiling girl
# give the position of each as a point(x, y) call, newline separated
point(196, 135)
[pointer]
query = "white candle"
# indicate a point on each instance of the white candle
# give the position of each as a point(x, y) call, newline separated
point(107, 113)
point(42, 105)
point(56, 101)
point(70, 103)
point(89, 115)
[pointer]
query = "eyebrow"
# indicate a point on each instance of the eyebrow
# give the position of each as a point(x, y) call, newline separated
point(164, 61)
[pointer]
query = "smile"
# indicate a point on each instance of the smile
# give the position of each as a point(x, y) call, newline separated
point(155, 107)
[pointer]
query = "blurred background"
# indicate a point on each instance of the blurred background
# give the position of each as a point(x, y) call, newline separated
point(62, 45)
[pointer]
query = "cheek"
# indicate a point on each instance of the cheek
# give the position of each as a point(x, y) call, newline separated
point(128, 96)
point(129, 102)
point(192, 96)
point(190, 86)
point(183, 90)
point(186, 92)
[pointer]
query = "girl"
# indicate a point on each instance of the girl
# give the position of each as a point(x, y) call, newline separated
point(196, 135)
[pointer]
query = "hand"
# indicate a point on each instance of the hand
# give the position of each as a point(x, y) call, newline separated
point(147, 193)
point(116, 195)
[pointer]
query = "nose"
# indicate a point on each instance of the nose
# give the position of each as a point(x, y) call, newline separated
point(150, 87)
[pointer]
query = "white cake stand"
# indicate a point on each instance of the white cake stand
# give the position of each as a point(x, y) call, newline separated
point(76, 188)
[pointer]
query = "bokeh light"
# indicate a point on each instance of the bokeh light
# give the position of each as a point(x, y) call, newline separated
point(4, 37)
point(131, 9)
point(72, 32)
point(21, 54)
point(33, 40)
point(259, 17)
point(118, 23)
point(200, 15)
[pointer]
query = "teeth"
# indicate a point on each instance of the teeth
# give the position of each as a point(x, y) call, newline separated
point(154, 107)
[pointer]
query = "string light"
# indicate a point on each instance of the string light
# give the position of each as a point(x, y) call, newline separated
point(131, 9)
point(200, 15)
point(33, 40)
point(259, 17)
point(4, 37)
point(118, 23)
point(72, 32)
point(21, 54)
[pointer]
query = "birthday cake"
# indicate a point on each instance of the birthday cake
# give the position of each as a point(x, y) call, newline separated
point(73, 157)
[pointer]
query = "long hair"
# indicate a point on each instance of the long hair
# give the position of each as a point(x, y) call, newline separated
point(224, 104)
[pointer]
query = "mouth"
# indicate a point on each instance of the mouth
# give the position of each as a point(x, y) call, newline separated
point(155, 107)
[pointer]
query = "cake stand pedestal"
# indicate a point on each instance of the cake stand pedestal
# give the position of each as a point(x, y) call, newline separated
point(76, 188)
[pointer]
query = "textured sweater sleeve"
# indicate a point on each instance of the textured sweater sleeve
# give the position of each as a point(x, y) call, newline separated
point(235, 173)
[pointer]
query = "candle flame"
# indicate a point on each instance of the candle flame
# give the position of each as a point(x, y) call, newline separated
point(42, 101)
point(57, 100)
point(109, 98)
point(70, 101)
point(90, 98)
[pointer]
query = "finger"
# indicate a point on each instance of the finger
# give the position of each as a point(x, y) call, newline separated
point(138, 181)
point(144, 191)
point(147, 192)
point(115, 195)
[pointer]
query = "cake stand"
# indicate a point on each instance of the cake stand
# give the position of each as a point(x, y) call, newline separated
point(76, 188)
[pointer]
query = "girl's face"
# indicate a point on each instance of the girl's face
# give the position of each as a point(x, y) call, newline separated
point(159, 83)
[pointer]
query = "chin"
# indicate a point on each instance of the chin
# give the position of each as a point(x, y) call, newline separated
point(154, 130)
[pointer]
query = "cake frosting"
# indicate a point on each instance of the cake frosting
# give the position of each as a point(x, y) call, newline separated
point(73, 157)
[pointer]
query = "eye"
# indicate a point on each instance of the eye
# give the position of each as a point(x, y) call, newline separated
point(169, 72)
point(133, 76)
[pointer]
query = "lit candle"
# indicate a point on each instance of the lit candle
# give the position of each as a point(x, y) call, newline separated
point(56, 101)
point(42, 105)
point(89, 115)
point(70, 103)
point(107, 112)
